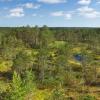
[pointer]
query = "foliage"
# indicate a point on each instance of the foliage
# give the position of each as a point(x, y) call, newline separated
point(33, 59)
point(19, 88)
point(22, 62)
point(87, 97)
point(57, 94)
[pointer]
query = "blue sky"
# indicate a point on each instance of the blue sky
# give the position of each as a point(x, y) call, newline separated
point(55, 13)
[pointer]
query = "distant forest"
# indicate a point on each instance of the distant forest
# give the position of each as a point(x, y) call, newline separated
point(49, 63)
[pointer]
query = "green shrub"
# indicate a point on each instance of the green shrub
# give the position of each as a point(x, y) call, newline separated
point(57, 94)
point(20, 88)
point(87, 97)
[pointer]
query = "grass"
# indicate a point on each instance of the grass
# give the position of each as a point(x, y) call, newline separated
point(5, 66)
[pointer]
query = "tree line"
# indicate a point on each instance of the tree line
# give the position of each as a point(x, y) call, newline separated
point(50, 58)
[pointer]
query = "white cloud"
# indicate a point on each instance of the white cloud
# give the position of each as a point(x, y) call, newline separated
point(37, 15)
point(88, 12)
point(58, 13)
point(5, 0)
point(67, 16)
point(34, 15)
point(53, 1)
point(98, 1)
point(84, 2)
point(31, 5)
point(16, 12)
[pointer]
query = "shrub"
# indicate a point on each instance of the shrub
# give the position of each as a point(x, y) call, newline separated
point(57, 94)
point(87, 97)
point(20, 88)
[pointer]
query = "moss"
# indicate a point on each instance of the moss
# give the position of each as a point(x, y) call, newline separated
point(5, 66)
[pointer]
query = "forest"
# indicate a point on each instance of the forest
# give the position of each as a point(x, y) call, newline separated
point(49, 63)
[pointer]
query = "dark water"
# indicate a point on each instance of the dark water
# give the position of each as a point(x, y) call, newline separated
point(78, 57)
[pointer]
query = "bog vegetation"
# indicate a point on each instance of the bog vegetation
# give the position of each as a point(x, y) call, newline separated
point(49, 63)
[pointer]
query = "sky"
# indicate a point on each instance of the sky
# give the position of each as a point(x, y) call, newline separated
point(53, 13)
